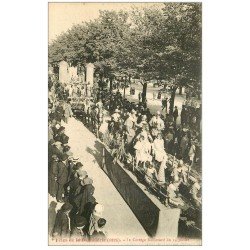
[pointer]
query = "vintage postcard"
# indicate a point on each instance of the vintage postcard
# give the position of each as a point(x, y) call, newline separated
point(124, 123)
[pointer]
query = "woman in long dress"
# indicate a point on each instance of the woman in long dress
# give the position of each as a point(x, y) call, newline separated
point(143, 149)
point(158, 148)
point(67, 111)
point(161, 172)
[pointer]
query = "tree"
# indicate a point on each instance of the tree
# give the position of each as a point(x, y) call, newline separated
point(162, 44)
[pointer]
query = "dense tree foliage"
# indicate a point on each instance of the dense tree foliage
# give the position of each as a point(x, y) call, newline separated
point(163, 44)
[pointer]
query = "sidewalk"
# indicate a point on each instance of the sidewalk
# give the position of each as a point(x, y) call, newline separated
point(120, 219)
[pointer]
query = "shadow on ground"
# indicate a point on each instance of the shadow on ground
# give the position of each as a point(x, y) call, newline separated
point(97, 152)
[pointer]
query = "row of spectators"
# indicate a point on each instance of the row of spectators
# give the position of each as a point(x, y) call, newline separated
point(80, 215)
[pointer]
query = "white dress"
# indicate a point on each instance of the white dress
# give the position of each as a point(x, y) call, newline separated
point(161, 172)
point(158, 148)
point(143, 151)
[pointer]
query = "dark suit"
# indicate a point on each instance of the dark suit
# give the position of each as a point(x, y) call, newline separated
point(74, 184)
point(61, 227)
point(59, 113)
point(53, 150)
point(62, 138)
point(62, 178)
point(53, 171)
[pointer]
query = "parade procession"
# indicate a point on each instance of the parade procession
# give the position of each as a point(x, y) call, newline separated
point(125, 129)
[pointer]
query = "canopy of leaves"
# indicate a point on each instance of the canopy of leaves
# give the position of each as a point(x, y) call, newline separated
point(148, 43)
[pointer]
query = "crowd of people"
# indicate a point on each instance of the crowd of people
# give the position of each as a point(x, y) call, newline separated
point(80, 215)
point(155, 145)
point(165, 153)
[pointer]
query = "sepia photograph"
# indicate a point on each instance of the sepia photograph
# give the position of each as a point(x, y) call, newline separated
point(125, 123)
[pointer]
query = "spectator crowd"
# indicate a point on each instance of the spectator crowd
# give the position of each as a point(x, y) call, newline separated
point(80, 215)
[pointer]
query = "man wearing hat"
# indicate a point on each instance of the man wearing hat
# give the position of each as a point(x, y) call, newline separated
point(61, 137)
point(54, 148)
point(53, 171)
point(175, 114)
point(66, 150)
point(59, 113)
point(74, 185)
point(62, 226)
point(64, 139)
point(85, 199)
point(62, 177)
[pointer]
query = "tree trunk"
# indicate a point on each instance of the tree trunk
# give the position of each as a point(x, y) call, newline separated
point(171, 105)
point(124, 91)
point(111, 84)
point(144, 92)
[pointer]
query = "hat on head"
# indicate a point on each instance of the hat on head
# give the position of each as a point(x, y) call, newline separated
point(117, 111)
point(158, 112)
point(80, 221)
point(75, 167)
point(66, 148)
point(64, 157)
point(79, 164)
point(86, 181)
point(66, 207)
point(61, 129)
point(98, 210)
point(133, 111)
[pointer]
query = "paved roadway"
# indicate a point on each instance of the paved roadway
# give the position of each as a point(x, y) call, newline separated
point(154, 105)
